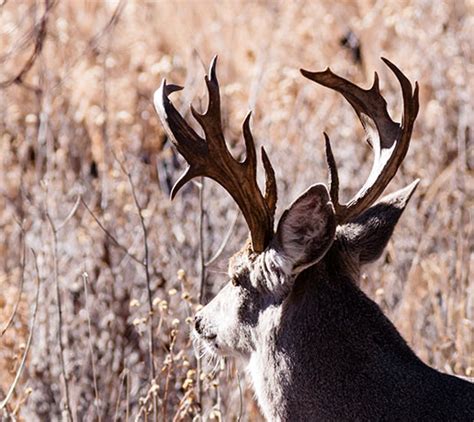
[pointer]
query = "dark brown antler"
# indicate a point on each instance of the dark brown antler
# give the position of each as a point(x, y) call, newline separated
point(389, 140)
point(210, 157)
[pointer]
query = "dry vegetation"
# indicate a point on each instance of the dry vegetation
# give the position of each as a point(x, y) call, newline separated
point(83, 160)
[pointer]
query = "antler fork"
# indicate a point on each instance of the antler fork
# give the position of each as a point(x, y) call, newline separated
point(389, 140)
point(210, 157)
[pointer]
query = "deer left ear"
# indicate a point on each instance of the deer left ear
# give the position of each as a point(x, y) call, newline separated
point(306, 229)
point(367, 236)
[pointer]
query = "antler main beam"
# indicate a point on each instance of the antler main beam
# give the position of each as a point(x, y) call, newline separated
point(389, 140)
point(210, 157)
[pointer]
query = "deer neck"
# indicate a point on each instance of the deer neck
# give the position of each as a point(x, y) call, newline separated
point(327, 347)
point(268, 367)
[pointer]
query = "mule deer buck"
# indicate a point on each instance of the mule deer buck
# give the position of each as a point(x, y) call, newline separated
point(317, 347)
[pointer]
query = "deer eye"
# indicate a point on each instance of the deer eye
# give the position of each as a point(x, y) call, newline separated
point(235, 280)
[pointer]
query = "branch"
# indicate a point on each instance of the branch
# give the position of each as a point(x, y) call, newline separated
point(109, 235)
point(22, 280)
point(222, 246)
point(94, 41)
point(85, 279)
point(123, 375)
point(146, 265)
point(70, 214)
point(39, 43)
point(201, 242)
point(54, 232)
point(30, 337)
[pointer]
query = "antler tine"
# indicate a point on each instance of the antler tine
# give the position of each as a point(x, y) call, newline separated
point(271, 195)
point(333, 175)
point(210, 157)
point(389, 140)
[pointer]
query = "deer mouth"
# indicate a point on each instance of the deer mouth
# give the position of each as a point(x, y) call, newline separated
point(206, 346)
point(210, 340)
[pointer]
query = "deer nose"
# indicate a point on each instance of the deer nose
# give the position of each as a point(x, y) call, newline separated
point(197, 324)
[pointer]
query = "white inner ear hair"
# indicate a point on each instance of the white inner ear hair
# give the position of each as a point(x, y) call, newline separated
point(304, 225)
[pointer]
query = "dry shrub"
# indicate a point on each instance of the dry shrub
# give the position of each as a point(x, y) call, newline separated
point(82, 114)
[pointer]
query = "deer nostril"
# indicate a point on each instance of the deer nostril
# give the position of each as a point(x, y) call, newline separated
point(197, 324)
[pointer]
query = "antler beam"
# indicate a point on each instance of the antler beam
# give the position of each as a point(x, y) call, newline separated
point(210, 157)
point(389, 140)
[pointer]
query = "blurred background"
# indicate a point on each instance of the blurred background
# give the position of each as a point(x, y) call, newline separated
point(86, 171)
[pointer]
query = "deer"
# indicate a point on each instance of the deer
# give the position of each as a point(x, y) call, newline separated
point(317, 348)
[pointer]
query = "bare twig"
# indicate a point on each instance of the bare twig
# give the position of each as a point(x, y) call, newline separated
point(93, 43)
point(30, 337)
point(104, 197)
point(168, 374)
point(122, 382)
point(146, 265)
point(39, 43)
point(224, 243)
point(85, 279)
point(241, 401)
point(110, 235)
point(22, 280)
point(54, 232)
point(70, 214)
point(20, 402)
point(202, 259)
point(183, 405)
point(127, 410)
point(201, 287)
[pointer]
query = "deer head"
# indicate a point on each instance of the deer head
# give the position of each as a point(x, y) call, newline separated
point(247, 313)
point(263, 273)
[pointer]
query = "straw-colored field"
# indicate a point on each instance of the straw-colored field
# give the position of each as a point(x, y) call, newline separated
point(83, 158)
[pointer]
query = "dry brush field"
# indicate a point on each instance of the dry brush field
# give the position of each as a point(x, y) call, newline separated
point(96, 261)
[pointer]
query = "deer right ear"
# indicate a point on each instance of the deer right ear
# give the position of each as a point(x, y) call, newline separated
point(367, 236)
point(306, 229)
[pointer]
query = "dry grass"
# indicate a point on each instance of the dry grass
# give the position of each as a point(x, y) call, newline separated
point(83, 111)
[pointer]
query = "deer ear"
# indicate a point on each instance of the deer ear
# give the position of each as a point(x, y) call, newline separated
point(367, 236)
point(306, 229)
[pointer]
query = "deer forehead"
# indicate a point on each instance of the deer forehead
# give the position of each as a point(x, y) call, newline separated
point(241, 261)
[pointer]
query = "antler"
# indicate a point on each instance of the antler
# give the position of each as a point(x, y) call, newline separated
point(210, 157)
point(389, 140)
